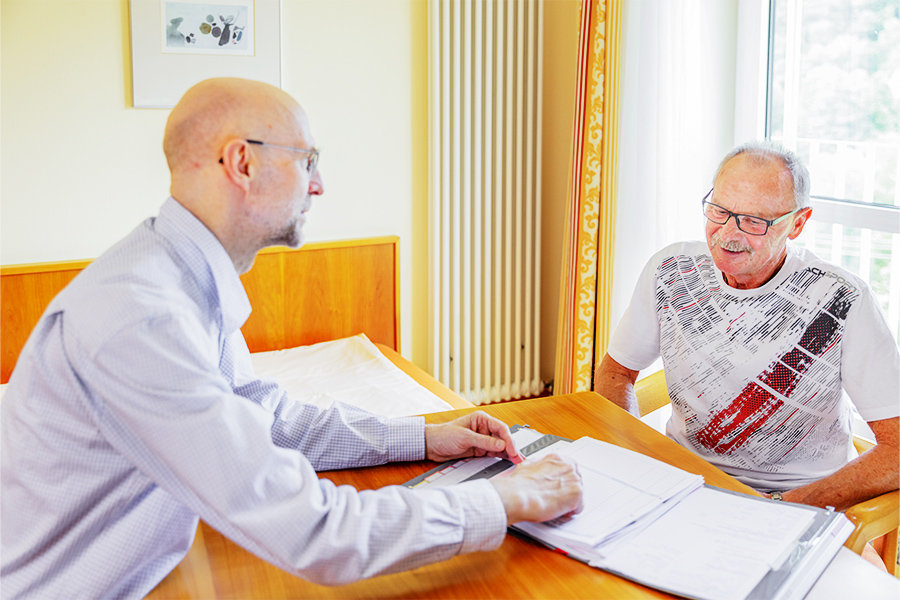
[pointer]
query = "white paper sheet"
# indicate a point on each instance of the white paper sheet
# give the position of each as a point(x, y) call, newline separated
point(711, 545)
point(351, 370)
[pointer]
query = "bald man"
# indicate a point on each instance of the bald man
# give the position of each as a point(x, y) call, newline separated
point(134, 410)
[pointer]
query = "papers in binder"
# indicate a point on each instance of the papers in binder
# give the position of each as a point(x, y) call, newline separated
point(620, 487)
point(661, 526)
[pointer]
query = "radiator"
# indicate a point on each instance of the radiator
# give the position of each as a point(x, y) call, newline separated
point(485, 188)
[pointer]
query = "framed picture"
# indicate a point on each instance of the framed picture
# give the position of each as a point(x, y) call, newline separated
point(177, 43)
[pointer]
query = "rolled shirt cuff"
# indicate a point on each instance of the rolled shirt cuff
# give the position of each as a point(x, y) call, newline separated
point(405, 439)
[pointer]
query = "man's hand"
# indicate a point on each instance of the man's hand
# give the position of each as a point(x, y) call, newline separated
point(474, 434)
point(540, 490)
point(871, 474)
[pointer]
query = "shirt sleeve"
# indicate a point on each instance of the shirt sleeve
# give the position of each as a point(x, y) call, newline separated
point(156, 393)
point(355, 437)
point(870, 361)
point(635, 343)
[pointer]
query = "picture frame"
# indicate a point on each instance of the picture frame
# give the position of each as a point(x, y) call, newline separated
point(178, 43)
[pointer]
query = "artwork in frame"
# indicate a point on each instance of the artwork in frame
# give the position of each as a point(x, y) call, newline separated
point(177, 43)
point(207, 28)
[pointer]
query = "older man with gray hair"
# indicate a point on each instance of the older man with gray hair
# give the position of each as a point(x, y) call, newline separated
point(759, 339)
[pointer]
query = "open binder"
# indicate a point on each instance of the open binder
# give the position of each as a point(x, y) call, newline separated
point(662, 527)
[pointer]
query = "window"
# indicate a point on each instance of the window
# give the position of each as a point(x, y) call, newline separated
point(833, 96)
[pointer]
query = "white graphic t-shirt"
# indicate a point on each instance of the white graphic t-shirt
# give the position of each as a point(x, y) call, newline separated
point(755, 376)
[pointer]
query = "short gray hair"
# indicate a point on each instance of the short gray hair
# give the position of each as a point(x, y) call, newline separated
point(767, 150)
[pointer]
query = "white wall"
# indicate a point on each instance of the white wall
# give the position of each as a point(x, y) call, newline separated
point(81, 168)
point(359, 68)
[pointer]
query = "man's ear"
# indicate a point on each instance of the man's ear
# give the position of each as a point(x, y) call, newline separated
point(800, 223)
point(239, 163)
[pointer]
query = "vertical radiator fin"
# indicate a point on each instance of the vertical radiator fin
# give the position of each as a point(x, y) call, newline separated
point(485, 75)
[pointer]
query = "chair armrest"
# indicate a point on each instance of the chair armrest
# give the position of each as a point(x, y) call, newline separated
point(873, 518)
point(651, 392)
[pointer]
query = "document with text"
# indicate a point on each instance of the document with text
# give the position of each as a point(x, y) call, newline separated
point(661, 526)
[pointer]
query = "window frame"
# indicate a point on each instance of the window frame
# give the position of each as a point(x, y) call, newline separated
point(751, 101)
point(750, 123)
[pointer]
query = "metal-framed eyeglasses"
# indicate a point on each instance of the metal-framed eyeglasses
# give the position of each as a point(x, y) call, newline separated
point(749, 224)
point(310, 162)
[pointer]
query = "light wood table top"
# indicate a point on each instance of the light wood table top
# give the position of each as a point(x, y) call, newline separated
point(217, 568)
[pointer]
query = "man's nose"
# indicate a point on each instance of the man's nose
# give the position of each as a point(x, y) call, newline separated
point(316, 186)
point(730, 228)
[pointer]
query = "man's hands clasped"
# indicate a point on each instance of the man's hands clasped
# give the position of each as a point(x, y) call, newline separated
point(539, 490)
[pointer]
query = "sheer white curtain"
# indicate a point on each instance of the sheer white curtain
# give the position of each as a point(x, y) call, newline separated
point(677, 111)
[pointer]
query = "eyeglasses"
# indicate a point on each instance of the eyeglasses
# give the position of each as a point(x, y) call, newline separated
point(312, 156)
point(746, 223)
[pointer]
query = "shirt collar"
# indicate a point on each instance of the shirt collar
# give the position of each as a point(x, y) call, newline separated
point(207, 258)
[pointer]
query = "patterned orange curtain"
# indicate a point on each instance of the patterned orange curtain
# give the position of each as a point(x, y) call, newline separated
point(584, 326)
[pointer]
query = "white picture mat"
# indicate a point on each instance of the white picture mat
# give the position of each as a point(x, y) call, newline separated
point(160, 79)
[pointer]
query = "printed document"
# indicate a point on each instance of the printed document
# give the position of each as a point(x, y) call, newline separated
point(659, 525)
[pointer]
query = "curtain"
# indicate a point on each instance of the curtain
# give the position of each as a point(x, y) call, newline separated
point(586, 276)
point(675, 125)
point(654, 115)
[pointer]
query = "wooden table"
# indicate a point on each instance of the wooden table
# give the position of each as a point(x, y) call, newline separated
point(217, 568)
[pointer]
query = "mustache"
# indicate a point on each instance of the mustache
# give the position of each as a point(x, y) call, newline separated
point(732, 246)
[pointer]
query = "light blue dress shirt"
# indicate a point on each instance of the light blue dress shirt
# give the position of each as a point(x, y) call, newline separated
point(134, 410)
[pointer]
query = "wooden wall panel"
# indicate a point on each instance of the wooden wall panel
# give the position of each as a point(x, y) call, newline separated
point(322, 291)
point(264, 283)
point(339, 292)
point(23, 298)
